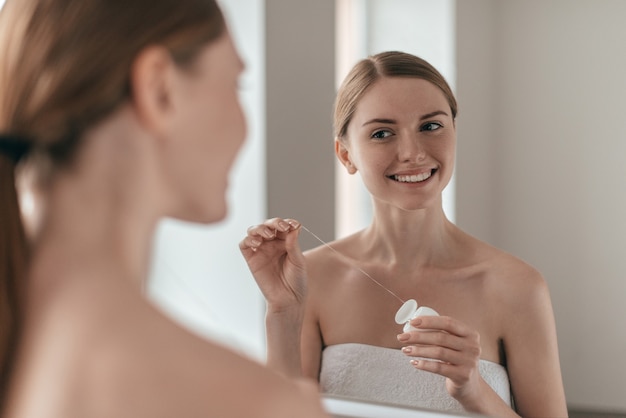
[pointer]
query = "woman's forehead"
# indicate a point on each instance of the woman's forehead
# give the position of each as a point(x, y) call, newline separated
point(400, 95)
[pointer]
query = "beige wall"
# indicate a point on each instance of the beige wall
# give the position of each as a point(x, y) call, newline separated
point(542, 139)
point(300, 75)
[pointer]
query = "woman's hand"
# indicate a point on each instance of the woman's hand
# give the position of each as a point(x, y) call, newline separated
point(274, 257)
point(447, 347)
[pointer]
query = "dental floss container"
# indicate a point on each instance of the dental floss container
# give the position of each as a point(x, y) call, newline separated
point(410, 310)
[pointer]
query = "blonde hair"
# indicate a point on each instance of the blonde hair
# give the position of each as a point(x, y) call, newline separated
point(385, 64)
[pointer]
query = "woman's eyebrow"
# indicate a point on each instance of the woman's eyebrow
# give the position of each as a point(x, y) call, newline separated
point(393, 121)
point(378, 120)
point(431, 114)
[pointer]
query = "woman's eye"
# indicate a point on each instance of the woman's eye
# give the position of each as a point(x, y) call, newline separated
point(431, 126)
point(381, 134)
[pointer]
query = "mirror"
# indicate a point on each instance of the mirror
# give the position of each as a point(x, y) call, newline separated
point(539, 172)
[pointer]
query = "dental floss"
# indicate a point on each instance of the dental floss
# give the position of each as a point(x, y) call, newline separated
point(409, 309)
point(357, 267)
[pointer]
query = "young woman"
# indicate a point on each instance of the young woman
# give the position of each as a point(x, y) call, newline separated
point(126, 112)
point(493, 347)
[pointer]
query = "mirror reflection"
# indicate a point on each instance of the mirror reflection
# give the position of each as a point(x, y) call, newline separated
point(539, 86)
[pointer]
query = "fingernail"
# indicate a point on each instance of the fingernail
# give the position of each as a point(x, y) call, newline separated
point(255, 242)
point(406, 350)
point(415, 322)
point(284, 226)
point(269, 234)
point(403, 337)
point(294, 224)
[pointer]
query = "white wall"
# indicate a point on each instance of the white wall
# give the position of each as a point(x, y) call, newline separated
point(542, 138)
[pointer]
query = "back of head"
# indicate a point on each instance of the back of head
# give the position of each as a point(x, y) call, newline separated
point(385, 64)
point(65, 66)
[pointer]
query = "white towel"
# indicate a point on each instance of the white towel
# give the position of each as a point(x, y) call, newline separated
point(385, 375)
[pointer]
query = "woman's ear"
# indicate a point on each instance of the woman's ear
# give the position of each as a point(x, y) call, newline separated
point(152, 83)
point(343, 154)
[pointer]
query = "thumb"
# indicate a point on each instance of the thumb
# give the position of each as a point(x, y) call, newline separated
point(292, 243)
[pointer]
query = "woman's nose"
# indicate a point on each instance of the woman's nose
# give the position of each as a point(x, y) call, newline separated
point(411, 149)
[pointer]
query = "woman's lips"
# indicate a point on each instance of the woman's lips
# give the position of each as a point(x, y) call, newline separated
point(413, 178)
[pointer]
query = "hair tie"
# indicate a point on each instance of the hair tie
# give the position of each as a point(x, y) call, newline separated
point(14, 147)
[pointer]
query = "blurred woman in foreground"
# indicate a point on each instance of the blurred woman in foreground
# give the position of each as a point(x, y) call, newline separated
point(123, 112)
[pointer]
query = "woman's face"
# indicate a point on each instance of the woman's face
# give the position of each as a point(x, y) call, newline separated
point(208, 132)
point(402, 139)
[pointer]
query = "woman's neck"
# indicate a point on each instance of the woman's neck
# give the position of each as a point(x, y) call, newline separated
point(102, 210)
point(416, 238)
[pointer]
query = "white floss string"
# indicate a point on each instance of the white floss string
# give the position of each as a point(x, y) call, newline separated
point(409, 309)
point(357, 267)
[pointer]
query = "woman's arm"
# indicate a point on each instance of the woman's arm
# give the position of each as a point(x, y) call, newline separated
point(448, 347)
point(311, 341)
point(274, 257)
point(529, 335)
point(283, 341)
point(532, 351)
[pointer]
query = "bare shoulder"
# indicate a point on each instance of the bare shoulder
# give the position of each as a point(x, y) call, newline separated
point(176, 373)
point(517, 287)
point(516, 276)
point(524, 322)
point(107, 351)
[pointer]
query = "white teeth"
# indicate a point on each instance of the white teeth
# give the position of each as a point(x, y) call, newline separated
point(416, 178)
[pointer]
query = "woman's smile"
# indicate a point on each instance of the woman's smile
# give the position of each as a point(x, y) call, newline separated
point(419, 177)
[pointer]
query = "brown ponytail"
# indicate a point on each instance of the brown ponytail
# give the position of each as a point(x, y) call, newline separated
point(13, 260)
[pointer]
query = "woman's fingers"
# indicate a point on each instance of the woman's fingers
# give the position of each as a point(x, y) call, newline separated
point(444, 346)
point(275, 260)
point(271, 229)
point(442, 339)
point(435, 352)
point(432, 366)
point(442, 323)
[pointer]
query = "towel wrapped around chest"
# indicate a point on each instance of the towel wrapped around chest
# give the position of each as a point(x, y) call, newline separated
point(385, 375)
